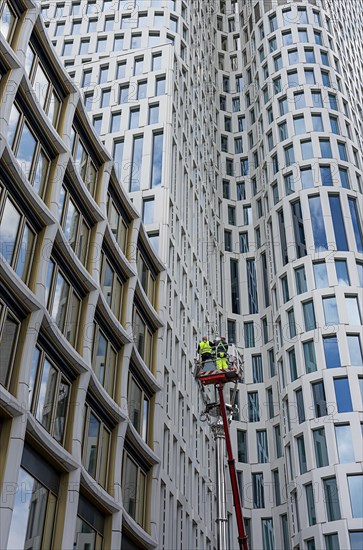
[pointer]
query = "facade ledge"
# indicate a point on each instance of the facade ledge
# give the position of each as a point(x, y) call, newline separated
point(9, 404)
point(113, 324)
point(144, 371)
point(110, 407)
point(98, 493)
point(144, 539)
point(140, 446)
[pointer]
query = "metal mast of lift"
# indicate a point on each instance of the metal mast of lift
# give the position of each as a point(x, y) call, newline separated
point(216, 415)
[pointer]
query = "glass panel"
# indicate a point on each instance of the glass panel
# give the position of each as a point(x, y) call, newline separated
point(29, 514)
point(355, 350)
point(59, 308)
point(157, 160)
point(136, 164)
point(26, 150)
point(85, 536)
point(7, 348)
point(331, 499)
point(25, 253)
point(100, 359)
point(309, 315)
point(46, 395)
point(71, 224)
point(330, 311)
point(355, 484)
point(321, 450)
point(331, 351)
point(41, 172)
point(73, 318)
point(310, 502)
point(342, 272)
point(353, 310)
point(130, 487)
point(104, 456)
point(9, 228)
point(41, 85)
point(92, 445)
point(342, 393)
point(135, 405)
point(317, 221)
point(310, 358)
point(13, 124)
point(61, 410)
point(344, 444)
point(356, 540)
point(321, 275)
point(338, 223)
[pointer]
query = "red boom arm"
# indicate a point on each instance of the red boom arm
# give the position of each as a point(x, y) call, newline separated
point(242, 538)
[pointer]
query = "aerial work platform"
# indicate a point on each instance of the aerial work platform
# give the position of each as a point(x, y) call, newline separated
point(208, 373)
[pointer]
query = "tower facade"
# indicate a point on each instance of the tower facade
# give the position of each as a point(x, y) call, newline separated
point(235, 128)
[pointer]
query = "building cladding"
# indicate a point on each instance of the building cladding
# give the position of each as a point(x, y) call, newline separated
point(236, 129)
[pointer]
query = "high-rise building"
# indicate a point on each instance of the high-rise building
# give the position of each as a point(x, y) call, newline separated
point(236, 129)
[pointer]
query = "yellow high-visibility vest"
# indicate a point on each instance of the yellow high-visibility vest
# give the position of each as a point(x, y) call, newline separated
point(205, 347)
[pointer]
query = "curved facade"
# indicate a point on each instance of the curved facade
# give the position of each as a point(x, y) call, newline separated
point(79, 323)
point(293, 242)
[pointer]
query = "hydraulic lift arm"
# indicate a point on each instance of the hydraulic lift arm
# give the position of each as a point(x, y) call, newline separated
point(242, 538)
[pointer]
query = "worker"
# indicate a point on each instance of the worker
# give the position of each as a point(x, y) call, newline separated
point(221, 353)
point(205, 349)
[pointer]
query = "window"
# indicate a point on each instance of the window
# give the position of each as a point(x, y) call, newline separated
point(278, 62)
point(49, 394)
point(342, 395)
point(234, 286)
point(63, 302)
point(143, 338)
point(28, 150)
point(89, 523)
point(278, 442)
point(298, 225)
point(96, 447)
point(332, 541)
point(134, 118)
point(43, 87)
point(357, 228)
point(18, 237)
point(121, 70)
point(118, 224)
point(262, 447)
point(307, 149)
point(299, 127)
point(301, 454)
point(112, 285)
point(317, 99)
point(101, 45)
point(355, 350)
point(105, 358)
point(300, 405)
point(258, 490)
point(319, 399)
point(136, 163)
point(355, 484)
point(252, 287)
point(138, 405)
point(309, 356)
point(257, 369)
point(83, 162)
point(160, 85)
point(293, 57)
point(330, 311)
point(300, 278)
point(309, 315)
point(310, 504)
point(326, 175)
point(242, 446)
point(283, 106)
point(9, 332)
point(283, 131)
point(331, 499)
point(353, 310)
point(321, 450)
point(154, 114)
point(75, 226)
point(146, 276)
point(268, 534)
point(35, 503)
point(309, 55)
point(309, 76)
point(157, 160)
point(84, 46)
point(317, 221)
point(325, 148)
point(253, 407)
point(344, 178)
point(317, 123)
point(324, 58)
point(277, 489)
point(243, 242)
point(356, 540)
point(289, 155)
point(344, 441)
point(331, 352)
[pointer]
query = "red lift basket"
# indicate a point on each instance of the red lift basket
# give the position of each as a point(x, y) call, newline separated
point(207, 372)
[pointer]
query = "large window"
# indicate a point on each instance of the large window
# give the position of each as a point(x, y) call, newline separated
point(258, 490)
point(105, 357)
point(268, 534)
point(17, 236)
point(357, 226)
point(28, 149)
point(34, 513)
point(338, 223)
point(317, 221)
point(49, 394)
point(146, 276)
point(63, 302)
point(157, 160)
point(44, 89)
point(331, 352)
point(75, 226)
point(136, 164)
point(139, 405)
point(253, 407)
point(89, 526)
point(262, 446)
point(320, 405)
point(96, 447)
point(9, 332)
point(134, 489)
point(309, 315)
point(83, 162)
point(310, 504)
point(301, 454)
point(355, 350)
